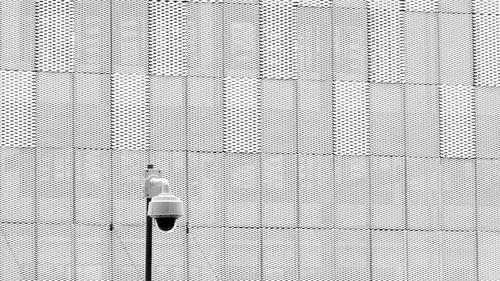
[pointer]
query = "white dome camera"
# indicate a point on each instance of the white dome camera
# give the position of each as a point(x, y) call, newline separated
point(165, 208)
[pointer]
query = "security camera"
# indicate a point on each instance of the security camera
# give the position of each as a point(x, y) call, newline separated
point(165, 208)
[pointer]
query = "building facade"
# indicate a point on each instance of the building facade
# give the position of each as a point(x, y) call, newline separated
point(308, 139)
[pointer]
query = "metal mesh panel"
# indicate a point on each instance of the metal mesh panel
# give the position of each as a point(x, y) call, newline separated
point(459, 255)
point(457, 121)
point(423, 193)
point(350, 59)
point(488, 206)
point(386, 44)
point(17, 245)
point(387, 119)
point(351, 117)
point(279, 121)
point(205, 33)
point(316, 195)
point(421, 46)
point(450, 255)
point(54, 110)
point(92, 183)
point(280, 254)
point(488, 250)
point(130, 37)
point(278, 39)
point(168, 113)
point(422, 120)
point(486, 51)
point(168, 37)
point(317, 254)
point(458, 193)
point(54, 265)
point(54, 185)
point(388, 255)
point(279, 190)
point(206, 194)
point(352, 201)
point(387, 184)
point(314, 31)
point(242, 115)
point(352, 255)
point(92, 110)
point(130, 111)
point(206, 253)
point(92, 36)
point(315, 117)
point(424, 255)
point(454, 6)
point(486, 6)
point(93, 252)
point(204, 114)
point(128, 252)
point(241, 40)
point(242, 254)
point(422, 5)
point(441, 194)
point(17, 179)
point(487, 120)
point(17, 26)
point(315, 3)
point(18, 109)
point(242, 181)
point(55, 35)
point(455, 48)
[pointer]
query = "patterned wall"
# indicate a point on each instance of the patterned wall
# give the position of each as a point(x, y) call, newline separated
point(309, 139)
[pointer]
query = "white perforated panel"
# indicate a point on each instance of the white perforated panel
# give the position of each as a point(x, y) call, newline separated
point(17, 26)
point(168, 37)
point(242, 115)
point(486, 49)
point(352, 192)
point(278, 39)
point(92, 36)
point(17, 164)
point(129, 33)
point(352, 255)
point(422, 5)
point(241, 45)
point(18, 109)
point(385, 41)
point(130, 111)
point(206, 194)
point(351, 117)
point(488, 208)
point(388, 255)
point(55, 35)
point(242, 180)
point(457, 121)
point(18, 251)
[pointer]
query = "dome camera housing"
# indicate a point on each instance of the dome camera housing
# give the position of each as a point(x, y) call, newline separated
point(165, 209)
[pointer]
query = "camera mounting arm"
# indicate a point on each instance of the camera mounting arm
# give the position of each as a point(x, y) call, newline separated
point(154, 183)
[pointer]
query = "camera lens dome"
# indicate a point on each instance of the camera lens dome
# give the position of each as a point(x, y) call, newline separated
point(165, 224)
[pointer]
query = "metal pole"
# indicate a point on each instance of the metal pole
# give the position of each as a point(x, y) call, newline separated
point(149, 242)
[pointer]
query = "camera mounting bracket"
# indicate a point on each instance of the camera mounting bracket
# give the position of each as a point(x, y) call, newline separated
point(154, 183)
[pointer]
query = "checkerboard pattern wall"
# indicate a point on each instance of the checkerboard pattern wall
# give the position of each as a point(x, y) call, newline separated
point(308, 139)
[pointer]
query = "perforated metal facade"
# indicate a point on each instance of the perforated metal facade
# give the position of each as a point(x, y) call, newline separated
point(308, 139)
